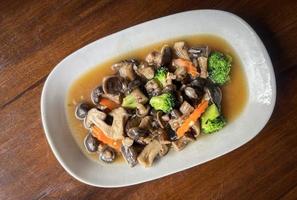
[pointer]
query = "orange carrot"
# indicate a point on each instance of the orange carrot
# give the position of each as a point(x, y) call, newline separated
point(188, 65)
point(108, 103)
point(96, 132)
point(194, 116)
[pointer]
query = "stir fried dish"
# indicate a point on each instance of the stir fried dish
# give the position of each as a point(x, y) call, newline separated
point(165, 101)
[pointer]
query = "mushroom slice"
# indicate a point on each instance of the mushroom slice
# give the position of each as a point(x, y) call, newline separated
point(180, 73)
point(164, 150)
point(203, 67)
point(196, 52)
point(181, 143)
point(149, 153)
point(152, 87)
point(181, 50)
point(93, 115)
point(186, 108)
point(145, 71)
point(163, 137)
point(116, 130)
point(129, 155)
point(159, 59)
point(154, 58)
point(125, 69)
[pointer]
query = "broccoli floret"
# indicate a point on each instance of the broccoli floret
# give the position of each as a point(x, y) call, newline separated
point(161, 75)
point(211, 120)
point(219, 67)
point(129, 101)
point(164, 102)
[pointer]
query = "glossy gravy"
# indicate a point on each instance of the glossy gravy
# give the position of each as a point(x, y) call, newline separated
point(235, 93)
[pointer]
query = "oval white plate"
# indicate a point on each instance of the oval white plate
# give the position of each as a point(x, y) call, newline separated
point(261, 100)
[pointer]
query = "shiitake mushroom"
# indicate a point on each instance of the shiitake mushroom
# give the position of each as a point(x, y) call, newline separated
point(81, 110)
point(91, 143)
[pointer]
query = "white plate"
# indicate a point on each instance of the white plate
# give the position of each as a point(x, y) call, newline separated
point(261, 100)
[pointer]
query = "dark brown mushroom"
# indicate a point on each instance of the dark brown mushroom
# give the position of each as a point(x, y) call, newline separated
point(146, 122)
point(129, 154)
point(97, 94)
point(133, 85)
point(81, 110)
point(202, 51)
point(191, 93)
point(114, 85)
point(163, 136)
point(166, 55)
point(133, 121)
point(107, 155)
point(214, 93)
point(91, 143)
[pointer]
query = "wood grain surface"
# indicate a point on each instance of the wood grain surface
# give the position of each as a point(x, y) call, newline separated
point(35, 35)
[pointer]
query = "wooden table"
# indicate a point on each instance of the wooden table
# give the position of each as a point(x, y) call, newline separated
point(36, 35)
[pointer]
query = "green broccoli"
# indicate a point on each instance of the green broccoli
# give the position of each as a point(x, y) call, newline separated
point(219, 67)
point(164, 102)
point(130, 101)
point(211, 120)
point(161, 76)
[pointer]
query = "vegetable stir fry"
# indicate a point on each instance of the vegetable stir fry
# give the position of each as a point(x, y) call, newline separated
point(149, 106)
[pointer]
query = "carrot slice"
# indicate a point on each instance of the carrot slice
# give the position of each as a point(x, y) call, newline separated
point(108, 103)
point(188, 65)
point(97, 133)
point(194, 116)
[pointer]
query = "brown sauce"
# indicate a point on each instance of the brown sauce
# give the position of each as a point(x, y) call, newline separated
point(235, 93)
